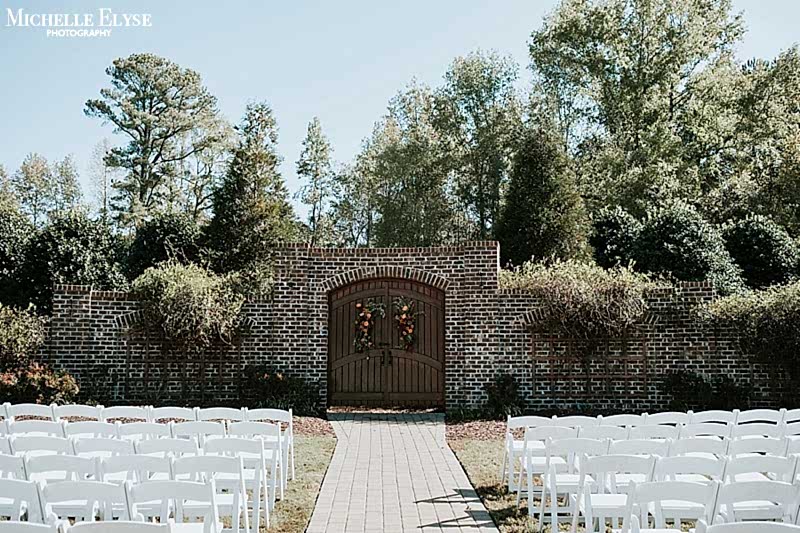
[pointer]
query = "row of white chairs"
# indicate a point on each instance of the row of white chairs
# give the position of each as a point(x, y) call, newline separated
point(235, 463)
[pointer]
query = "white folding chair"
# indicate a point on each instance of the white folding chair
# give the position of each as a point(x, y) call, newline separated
point(119, 527)
point(221, 413)
point(604, 432)
point(713, 417)
point(37, 427)
point(654, 431)
point(758, 445)
point(40, 445)
point(259, 471)
point(22, 497)
point(689, 468)
point(285, 419)
point(760, 468)
point(74, 410)
point(172, 414)
point(84, 500)
point(270, 434)
point(100, 447)
point(758, 429)
point(791, 415)
point(747, 527)
point(126, 412)
point(671, 418)
point(34, 410)
point(623, 420)
point(575, 421)
point(643, 447)
point(144, 430)
point(706, 429)
point(11, 467)
point(198, 430)
point(513, 447)
point(164, 447)
point(57, 467)
point(606, 497)
point(669, 500)
point(134, 468)
point(771, 416)
point(700, 447)
point(92, 429)
point(228, 474)
point(561, 476)
point(532, 457)
point(757, 500)
point(173, 495)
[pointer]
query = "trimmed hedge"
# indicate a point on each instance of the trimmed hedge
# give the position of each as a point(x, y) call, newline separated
point(763, 250)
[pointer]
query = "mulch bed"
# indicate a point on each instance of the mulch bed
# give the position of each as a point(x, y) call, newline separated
point(477, 430)
point(312, 427)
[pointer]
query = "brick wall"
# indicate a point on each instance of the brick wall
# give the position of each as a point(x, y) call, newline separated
point(487, 331)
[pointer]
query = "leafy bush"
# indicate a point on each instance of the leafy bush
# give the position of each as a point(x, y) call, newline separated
point(763, 250)
point(583, 300)
point(72, 249)
point(613, 237)
point(504, 398)
point(34, 382)
point(766, 323)
point(22, 333)
point(691, 391)
point(15, 233)
point(189, 304)
point(675, 240)
point(265, 386)
point(165, 236)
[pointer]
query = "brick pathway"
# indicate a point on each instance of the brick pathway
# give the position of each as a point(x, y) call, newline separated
point(395, 473)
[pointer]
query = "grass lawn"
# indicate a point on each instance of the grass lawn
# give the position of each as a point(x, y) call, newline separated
point(313, 455)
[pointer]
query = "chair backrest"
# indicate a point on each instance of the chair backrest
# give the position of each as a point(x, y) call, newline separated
point(37, 427)
point(254, 429)
point(29, 492)
point(575, 421)
point(604, 469)
point(785, 495)
point(12, 466)
point(30, 409)
point(604, 432)
point(162, 447)
point(139, 468)
point(758, 429)
point(178, 492)
point(76, 410)
point(791, 415)
point(706, 429)
point(27, 527)
point(268, 415)
point(772, 416)
point(92, 429)
point(251, 451)
point(767, 445)
point(5, 445)
point(198, 430)
point(781, 468)
point(747, 527)
point(129, 412)
point(713, 417)
point(696, 445)
point(105, 496)
point(118, 526)
point(647, 498)
point(144, 430)
point(221, 413)
point(100, 447)
point(629, 420)
point(671, 468)
point(654, 432)
point(672, 418)
point(41, 445)
point(640, 447)
point(515, 422)
point(175, 414)
point(55, 468)
point(573, 448)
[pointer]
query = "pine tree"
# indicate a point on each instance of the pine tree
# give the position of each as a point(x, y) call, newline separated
point(314, 167)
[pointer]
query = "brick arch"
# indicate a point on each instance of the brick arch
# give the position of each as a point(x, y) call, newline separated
point(384, 271)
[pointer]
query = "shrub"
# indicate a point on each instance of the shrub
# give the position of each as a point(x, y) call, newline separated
point(504, 398)
point(582, 300)
point(190, 305)
point(614, 233)
point(763, 250)
point(72, 249)
point(675, 240)
point(264, 386)
point(22, 333)
point(33, 382)
point(165, 236)
point(691, 391)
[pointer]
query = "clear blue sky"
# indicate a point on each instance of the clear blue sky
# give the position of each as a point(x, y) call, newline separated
point(338, 59)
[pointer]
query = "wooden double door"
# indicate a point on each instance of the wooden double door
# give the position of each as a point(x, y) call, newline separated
point(390, 373)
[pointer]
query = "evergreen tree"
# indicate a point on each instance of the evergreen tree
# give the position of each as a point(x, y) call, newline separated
point(314, 168)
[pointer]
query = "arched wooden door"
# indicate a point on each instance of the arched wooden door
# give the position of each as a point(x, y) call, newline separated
point(389, 374)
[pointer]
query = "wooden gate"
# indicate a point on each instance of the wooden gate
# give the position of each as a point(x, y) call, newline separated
point(388, 375)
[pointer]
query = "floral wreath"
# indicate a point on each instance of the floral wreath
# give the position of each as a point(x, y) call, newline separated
point(405, 315)
point(364, 322)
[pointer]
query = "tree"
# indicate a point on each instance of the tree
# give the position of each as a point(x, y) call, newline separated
point(763, 250)
point(165, 236)
point(66, 189)
point(614, 236)
point(353, 207)
point(7, 195)
point(251, 211)
point(34, 187)
point(314, 166)
point(103, 177)
point(478, 115)
point(167, 115)
point(15, 233)
point(543, 217)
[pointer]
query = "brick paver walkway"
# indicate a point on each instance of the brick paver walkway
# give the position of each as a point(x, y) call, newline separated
point(395, 473)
